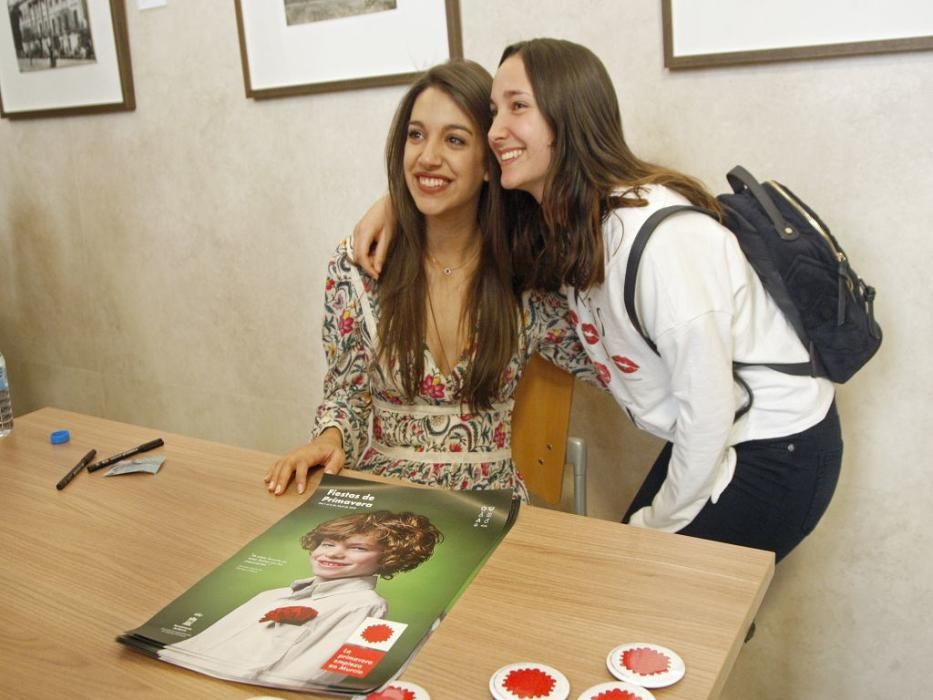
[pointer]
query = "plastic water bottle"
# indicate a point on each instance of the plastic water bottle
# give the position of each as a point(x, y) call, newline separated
point(6, 406)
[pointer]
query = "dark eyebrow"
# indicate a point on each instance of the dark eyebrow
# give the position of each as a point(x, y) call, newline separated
point(448, 127)
point(459, 127)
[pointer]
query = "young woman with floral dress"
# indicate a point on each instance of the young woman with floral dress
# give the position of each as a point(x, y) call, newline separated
point(432, 352)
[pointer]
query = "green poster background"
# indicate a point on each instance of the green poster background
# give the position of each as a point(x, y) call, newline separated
point(417, 598)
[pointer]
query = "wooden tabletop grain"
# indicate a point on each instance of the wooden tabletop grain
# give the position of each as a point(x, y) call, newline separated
point(81, 565)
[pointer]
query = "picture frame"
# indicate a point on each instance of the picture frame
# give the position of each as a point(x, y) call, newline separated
point(711, 33)
point(301, 47)
point(64, 58)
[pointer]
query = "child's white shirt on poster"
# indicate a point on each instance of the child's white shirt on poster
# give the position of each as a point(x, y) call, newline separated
point(239, 646)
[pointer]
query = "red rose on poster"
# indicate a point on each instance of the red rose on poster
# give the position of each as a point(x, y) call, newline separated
point(589, 333)
point(625, 364)
point(290, 615)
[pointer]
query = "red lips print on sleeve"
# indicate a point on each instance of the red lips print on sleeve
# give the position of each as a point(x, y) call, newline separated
point(624, 364)
point(602, 373)
point(589, 333)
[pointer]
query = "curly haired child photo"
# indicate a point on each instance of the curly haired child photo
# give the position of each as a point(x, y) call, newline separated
point(285, 635)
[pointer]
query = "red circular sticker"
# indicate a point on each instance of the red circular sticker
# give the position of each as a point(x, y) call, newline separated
point(616, 690)
point(399, 690)
point(529, 681)
point(647, 665)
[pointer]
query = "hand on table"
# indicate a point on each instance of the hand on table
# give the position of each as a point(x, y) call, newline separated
point(326, 451)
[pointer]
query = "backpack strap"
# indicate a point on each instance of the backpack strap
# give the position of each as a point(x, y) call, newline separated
point(739, 179)
point(631, 276)
point(799, 369)
point(634, 258)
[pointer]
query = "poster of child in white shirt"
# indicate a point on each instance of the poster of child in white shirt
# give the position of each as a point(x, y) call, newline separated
point(287, 635)
point(366, 606)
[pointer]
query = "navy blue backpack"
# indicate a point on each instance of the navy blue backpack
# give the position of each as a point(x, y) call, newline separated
point(801, 265)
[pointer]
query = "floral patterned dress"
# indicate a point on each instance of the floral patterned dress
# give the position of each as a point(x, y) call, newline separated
point(435, 440)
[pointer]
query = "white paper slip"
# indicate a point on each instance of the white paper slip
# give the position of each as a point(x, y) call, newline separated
point(150, 465)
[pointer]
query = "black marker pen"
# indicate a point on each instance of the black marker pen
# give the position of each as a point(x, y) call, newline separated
point(75, 469)
point(158, 442)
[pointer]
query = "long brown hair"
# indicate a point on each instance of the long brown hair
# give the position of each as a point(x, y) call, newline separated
point(592, 169)
point(491, 310)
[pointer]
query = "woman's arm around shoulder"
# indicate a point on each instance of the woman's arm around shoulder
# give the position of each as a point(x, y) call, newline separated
point(371, 237)
point(552, 332)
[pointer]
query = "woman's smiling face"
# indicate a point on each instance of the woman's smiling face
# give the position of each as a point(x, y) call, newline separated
point(358, 555)
point(445, 157)
point(520, 136)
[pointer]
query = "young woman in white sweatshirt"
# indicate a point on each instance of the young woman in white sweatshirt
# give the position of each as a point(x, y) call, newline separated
point(763, 479)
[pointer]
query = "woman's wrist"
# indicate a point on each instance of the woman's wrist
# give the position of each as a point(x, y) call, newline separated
point(332, 435)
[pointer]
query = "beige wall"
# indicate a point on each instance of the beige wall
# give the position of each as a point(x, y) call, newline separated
point(165, 266)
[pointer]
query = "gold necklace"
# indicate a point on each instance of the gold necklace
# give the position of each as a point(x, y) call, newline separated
point(448, 270)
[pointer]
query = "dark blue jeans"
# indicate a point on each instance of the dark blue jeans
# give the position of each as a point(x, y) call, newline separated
point(779, 492)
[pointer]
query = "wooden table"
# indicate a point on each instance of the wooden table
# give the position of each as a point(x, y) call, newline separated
point(81, 565)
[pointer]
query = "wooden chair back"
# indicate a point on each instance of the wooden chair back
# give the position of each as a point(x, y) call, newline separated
point(540, 423)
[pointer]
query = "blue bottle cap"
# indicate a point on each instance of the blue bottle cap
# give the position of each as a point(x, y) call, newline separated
point(59, 437)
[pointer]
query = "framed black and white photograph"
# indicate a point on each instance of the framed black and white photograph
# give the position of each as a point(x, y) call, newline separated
point(709, 33)
point(295, 47)
point(64, 57)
